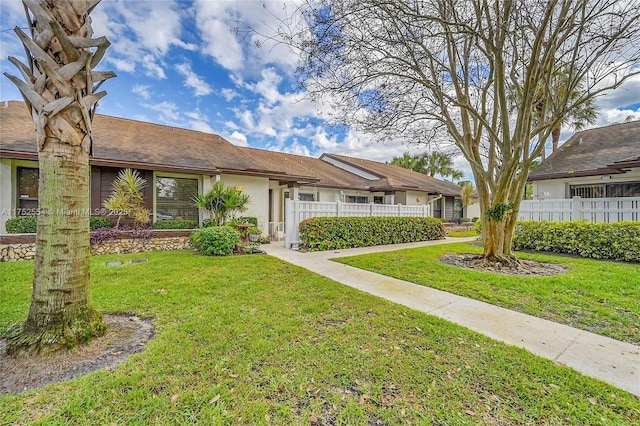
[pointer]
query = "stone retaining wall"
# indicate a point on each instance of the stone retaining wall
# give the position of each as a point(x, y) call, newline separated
point(22, 247)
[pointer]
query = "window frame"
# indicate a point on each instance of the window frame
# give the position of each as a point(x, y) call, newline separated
point(159, 174)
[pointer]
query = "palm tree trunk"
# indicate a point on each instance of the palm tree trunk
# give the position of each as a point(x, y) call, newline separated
point(60, 314)
point(59, 86)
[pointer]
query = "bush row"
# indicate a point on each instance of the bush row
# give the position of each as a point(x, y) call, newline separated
point(28, 224)
point(615, 241)
point(175, 224)
point(329, 233)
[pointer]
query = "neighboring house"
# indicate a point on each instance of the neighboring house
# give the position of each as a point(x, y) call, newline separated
point(178, 164)
point(595, 163)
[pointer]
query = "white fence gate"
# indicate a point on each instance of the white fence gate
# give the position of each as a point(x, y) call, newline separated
point(576, 208)
point(296, 211)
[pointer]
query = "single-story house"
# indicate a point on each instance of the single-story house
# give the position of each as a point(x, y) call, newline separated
point(178, 164)
point(596, 163)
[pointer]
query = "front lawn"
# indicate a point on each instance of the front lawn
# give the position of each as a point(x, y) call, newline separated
point(253, 340)
point(599, 296)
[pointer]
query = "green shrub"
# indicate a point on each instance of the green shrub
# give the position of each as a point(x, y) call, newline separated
point(252, 221)
point(329, 233)
point(615, 241)
point(477, 226)
point(216, 240)
point(22, 225)
point(97, 222)
point(175, 224)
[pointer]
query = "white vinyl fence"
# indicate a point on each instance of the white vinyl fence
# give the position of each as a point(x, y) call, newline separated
point(296, 211)
point(590, 209)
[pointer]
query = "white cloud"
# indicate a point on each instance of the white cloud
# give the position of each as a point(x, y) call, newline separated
point(141, 33)
point(624, 96)
point(238, 139)
point(217, 21)
point(141, 90)
point(229, 94)
point(193, 81)
point(168, 111)
point(200, 126)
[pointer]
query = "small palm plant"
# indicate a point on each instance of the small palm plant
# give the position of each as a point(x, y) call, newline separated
point(127, 198)
point(222, 202)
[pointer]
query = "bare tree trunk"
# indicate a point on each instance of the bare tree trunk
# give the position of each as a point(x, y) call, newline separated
point(58, 86)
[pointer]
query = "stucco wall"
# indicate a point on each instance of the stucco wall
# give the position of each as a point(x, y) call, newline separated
point(415, 198)
point(258, 190)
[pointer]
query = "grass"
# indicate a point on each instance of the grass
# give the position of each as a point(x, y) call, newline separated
point(462, 234)
point(602, 297)
point(253, 340)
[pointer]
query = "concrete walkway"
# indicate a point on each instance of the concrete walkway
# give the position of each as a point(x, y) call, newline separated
point(610, 360)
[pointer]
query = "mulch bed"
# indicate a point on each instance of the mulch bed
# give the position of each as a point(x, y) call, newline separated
point(125, 336)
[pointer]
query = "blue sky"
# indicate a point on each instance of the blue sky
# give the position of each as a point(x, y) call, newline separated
point(179, 64)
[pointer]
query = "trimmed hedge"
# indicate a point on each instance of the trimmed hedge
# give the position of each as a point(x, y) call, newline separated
point(216, 240)
point(98, 222)
point(28, 224)
point(22, 225)
point(614, 241)
point(175, 224)
point(329, 233)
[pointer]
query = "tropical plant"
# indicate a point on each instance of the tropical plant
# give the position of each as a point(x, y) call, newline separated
point(59, 86)
point(222, 202)
point(468, 192)
point(552, 95)
point(435, 163)
point(127, 198)
point(410, 162)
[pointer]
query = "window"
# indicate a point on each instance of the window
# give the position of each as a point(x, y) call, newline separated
point(378, 199)
point(174, 198)
point(587, 191)
point(27, 191)
point(306, 197)
point(457, 208)
point(361, 199)
point(626, 189)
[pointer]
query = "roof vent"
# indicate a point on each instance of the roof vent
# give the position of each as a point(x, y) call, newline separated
point(580, 141)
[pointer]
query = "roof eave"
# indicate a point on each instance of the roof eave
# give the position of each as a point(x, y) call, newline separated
point(582, 173)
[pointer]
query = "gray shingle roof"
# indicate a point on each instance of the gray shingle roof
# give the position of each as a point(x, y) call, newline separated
point(600, 151)
point(121, 142)
point(396, 177)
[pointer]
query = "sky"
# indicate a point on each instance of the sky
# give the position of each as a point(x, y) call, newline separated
point(179, 63)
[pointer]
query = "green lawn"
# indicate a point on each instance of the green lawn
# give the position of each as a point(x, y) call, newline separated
point(253, 340)
point(602, 297)
point(462, 234)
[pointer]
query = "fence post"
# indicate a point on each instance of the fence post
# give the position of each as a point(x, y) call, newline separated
point(399, 210)
point(576, 211)
point(424, 210)
point(338, 208)
point(292, 216)
point(370, 209)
